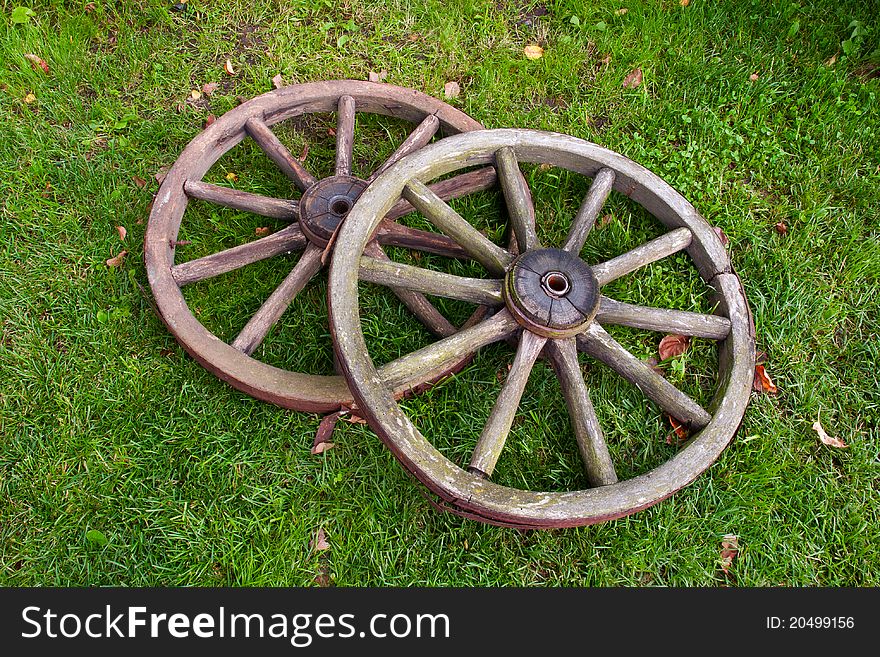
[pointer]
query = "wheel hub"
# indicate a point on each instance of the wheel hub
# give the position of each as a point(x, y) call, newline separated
point(551, 292)
point(325, 204)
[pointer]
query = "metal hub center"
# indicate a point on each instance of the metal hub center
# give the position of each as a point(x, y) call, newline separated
point(325, 204)
point(551, 292)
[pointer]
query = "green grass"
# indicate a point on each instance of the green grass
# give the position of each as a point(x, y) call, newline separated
point(106, 425)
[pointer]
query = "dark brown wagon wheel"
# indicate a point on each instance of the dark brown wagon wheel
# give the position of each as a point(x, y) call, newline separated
point(314, 218)
point(549, 301)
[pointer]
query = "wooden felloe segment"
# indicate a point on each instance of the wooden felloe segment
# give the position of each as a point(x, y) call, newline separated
point(590, 207)
point(471, 494)
point(447, 220)
point(494, 435)
point(276, 208)
point(255, 119)
point(278, 153)
point(665, 245)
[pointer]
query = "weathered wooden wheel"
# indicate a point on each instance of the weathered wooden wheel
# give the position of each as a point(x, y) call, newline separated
point(314, 219)
point(549, 301)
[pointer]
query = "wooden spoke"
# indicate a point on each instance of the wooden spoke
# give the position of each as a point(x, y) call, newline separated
point(596, 342)
point(662, 319)
point(256, 330)
point(587, 432)
point(419, 137)
point(519, 199)
point(498, 425)
point(278, 153)
point(285, 240)
point(391, 233)
point(665, 245)
point(394, 274)
point(455, 187)
point(417, 303)
point(266, 206)
point(448, 221)
point(589, 210)
point(434, 360)
point(344, 135)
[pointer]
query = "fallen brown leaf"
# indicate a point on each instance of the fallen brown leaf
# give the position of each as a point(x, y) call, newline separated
point(161, 173)
point(753, 77)
point(533, 51)
point(122, 232)
point(763, 382)
point(320, 448)
point(781, 228)
point(673, 345)
point(304, 153)
point(319, 542)
point(621, 11)
point(604, 220)
point(684, 3)
point(372, 76)
point(140, 182)
point(729, 550)
point(278, 81)
point(29, 98)
point(451, 89)
point(721, 235)
point(209, 87)
point(831, 441)
point(679, 432)
point(633, 80)
point(606, 60)
point(195, 94)
point(331, 132)
point(90, 7)
point(209, 120)
point(261, 231)
point(116, 261)
point(37, 62)
point(228, 68)
point(353, 418)
point(325, 432)
point(232, 176)
point(654, 364)
point(831, 61)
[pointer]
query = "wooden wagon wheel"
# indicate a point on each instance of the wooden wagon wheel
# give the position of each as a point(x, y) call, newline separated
point(548, 300)
point(314, 219)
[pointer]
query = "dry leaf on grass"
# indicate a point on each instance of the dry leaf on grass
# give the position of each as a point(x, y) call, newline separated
point(633, 80)
point(372, 76)
point(29, 98)
point(604, 220)
point(209, 120)
point(232, 176)
point(140, 182)
point(325, 432)
point(722, 236)
point(729, 550)
point(122, 232)
point(195, 94)
point(319, 542)
point(451, 89)
point(278, 81)
point(831, 61)
point(161, 173)
point(753, 77)
point(679, 432)
point(533, 51)
point(228, 68)
point(116, 261)
point(763, 382)
point(831, 441)
point(37, 62)
point(621, 11)
point(209, 87)
point(673, 345)
point(781, 228)
point(684, 3)
point(260, 231)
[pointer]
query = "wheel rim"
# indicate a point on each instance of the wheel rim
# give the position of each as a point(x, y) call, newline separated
point(467, 491)
point(233, 362)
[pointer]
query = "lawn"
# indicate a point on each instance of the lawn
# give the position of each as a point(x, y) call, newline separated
point(124, 462)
